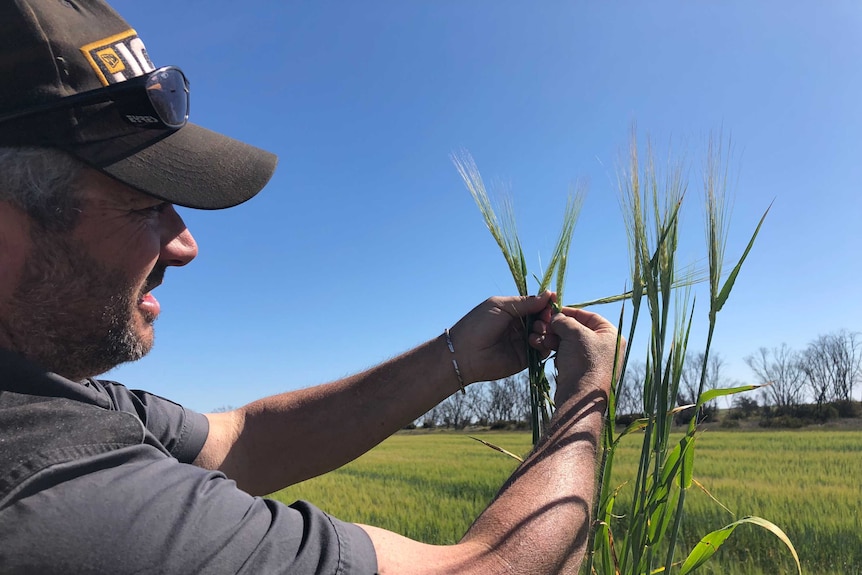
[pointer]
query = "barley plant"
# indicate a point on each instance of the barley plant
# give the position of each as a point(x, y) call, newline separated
point(505, 234)
point(643, 538)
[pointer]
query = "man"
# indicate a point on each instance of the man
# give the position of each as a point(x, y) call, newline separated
point(95, 151)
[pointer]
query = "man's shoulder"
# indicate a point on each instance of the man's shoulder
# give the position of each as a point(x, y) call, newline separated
point(38, 432)
point(60, 420)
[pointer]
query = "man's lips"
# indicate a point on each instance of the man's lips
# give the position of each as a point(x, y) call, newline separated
point(149, 304)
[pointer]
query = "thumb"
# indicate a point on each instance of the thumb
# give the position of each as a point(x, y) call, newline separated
point(577, 320)
point(527, 305)
point(567, 327)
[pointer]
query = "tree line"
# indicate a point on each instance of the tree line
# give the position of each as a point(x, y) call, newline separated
point(503, 403)
point(828, 370)
point(816, 382)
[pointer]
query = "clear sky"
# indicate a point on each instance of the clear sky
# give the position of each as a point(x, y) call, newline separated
point(366, 243)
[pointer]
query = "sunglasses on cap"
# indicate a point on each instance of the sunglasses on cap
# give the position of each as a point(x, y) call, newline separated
point(159, 99)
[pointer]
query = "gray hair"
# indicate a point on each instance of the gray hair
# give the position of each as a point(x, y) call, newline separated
point(42, 182)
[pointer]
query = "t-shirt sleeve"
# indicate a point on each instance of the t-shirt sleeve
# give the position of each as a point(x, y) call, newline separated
point(135, 510)
point(182, 431)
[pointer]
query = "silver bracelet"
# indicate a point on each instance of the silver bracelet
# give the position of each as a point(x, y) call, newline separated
point(454, 362)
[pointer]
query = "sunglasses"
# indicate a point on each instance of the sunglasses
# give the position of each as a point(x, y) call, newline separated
point(159, 99)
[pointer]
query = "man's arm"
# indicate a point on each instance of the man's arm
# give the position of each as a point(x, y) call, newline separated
point(284, 439)
point(539, 521)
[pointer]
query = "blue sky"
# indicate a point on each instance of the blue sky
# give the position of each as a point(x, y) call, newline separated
point(366, 243)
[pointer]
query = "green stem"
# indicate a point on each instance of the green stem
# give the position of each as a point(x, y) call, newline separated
point(692, 425)
point(606, 464)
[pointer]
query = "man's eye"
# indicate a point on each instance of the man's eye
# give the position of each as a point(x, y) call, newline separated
point(155, 209)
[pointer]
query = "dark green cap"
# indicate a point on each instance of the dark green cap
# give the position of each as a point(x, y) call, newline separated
point(51, 49)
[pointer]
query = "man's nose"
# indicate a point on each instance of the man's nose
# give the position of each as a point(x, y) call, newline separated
point(178, 245)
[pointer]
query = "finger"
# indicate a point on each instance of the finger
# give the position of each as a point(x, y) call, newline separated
point(545, 314)
point(565, 326)
point(527, 305)
point(588, 319)
point(544, 344)
point(540, 327)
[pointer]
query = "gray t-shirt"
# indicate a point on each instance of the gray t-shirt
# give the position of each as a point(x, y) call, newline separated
point(96, 478)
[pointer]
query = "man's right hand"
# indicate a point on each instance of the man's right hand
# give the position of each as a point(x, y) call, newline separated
point(585, 343)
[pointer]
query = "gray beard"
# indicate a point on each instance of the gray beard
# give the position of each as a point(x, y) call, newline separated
point(70, 313)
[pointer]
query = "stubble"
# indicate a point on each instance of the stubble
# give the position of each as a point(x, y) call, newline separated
point(73, 315)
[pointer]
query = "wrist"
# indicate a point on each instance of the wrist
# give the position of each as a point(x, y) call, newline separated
point(594, 383)
point(453, 360)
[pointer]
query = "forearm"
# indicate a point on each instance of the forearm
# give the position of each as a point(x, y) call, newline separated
point(539, 521)
point(284, 439)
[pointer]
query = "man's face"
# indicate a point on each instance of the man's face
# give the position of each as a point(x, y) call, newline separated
point(82, 304)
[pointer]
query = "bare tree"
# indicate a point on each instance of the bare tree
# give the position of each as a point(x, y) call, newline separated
point(848, 359)
point(483, 407)
point(833, 365)
point(458, 410)
point(512, 397)
point(781, 371)
point(817, 365)
point(520, 389)
point(689, 385)
point(432, 418)
point(497, 403)
point(692, 370)
point(630, 400)
point(485, 403)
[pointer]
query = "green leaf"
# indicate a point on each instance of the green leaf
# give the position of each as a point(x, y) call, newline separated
point(713, 393)
point(538, 282)
point(669, 470)
point(687, 463)
point(707, 546)
point(728, 284)
point(606, 550)
point(635, 425)
point(660, 518)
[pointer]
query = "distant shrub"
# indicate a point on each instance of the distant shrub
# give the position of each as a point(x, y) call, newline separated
point(734, 414)
point(847, 408)
point(828, 413)
point(810, 412)
point(783, 421)
point(744, 407)
point(627, 419)
point(729, 423)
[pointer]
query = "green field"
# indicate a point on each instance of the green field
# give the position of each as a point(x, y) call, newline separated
point(431, 486)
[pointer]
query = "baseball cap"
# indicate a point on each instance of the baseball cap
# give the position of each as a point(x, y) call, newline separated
point(52, 49)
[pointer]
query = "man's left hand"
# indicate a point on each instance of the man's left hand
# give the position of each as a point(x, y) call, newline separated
point(490, 341)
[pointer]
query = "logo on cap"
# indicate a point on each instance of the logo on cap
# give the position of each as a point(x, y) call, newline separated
point(118, 58)
point(112, 62)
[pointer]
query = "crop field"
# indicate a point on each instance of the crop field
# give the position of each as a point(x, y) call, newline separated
point(431, 486)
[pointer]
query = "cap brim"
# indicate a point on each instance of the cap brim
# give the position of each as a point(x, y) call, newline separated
point(192, 167)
